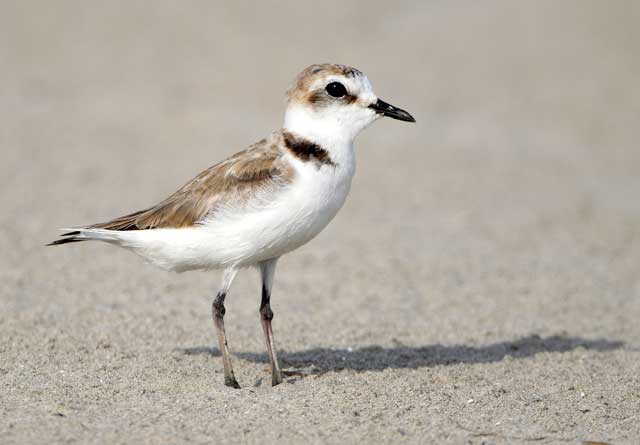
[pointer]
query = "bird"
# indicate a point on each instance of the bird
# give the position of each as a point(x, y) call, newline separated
point(261, 203)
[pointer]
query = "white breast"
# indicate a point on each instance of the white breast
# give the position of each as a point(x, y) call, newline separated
point(292, 219)
point(314, 198)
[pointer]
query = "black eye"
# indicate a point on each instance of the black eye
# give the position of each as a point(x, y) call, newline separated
point(336, 89)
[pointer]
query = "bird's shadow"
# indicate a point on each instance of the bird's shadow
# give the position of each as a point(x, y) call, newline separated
point(377, 358)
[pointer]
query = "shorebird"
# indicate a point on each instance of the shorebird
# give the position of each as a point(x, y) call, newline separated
point(260, 203)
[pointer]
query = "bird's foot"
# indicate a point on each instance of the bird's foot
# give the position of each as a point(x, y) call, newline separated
point(295, 373)
point(230, 380)
point(276, 378)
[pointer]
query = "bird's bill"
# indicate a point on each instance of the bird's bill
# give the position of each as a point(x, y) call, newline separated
point(385, 109)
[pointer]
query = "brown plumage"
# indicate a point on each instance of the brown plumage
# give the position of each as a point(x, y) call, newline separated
point(231, 181)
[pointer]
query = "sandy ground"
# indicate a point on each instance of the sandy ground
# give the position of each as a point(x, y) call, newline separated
point(481, 285)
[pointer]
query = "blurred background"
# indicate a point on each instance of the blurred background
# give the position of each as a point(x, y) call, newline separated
point(510, 209)
point(526, 141)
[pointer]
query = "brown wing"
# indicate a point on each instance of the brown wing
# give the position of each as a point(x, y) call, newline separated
point(230, 182)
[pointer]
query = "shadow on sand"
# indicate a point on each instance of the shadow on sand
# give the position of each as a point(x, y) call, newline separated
point(377, 358)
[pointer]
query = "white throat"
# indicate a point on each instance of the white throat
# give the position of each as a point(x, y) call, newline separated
point(323, 129)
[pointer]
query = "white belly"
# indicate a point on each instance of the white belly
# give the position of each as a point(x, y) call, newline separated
point(246, 236)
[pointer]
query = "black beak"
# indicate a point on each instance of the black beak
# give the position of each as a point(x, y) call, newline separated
point(381, 107)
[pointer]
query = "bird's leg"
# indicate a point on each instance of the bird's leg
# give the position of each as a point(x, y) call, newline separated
point(218, 320)
point(218, 311)
point(266, 315)
point(267, 269)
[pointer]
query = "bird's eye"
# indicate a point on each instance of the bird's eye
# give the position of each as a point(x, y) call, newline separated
point(336, 89)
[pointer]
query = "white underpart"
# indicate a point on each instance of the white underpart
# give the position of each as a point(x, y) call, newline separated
point(269, 226)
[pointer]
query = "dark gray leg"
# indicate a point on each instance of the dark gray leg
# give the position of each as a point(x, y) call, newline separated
point(267, 270)
point(218, 311)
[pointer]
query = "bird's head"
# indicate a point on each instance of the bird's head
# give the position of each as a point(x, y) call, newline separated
point(335, 100)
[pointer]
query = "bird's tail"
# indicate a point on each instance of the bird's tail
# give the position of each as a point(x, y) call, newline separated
point(77, 235)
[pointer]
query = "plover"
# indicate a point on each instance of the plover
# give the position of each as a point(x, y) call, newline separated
point(263, 202)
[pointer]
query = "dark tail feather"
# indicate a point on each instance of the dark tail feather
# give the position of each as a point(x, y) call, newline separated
point(72, 238)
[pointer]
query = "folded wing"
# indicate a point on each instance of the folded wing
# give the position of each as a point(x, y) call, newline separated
point(230, 183)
